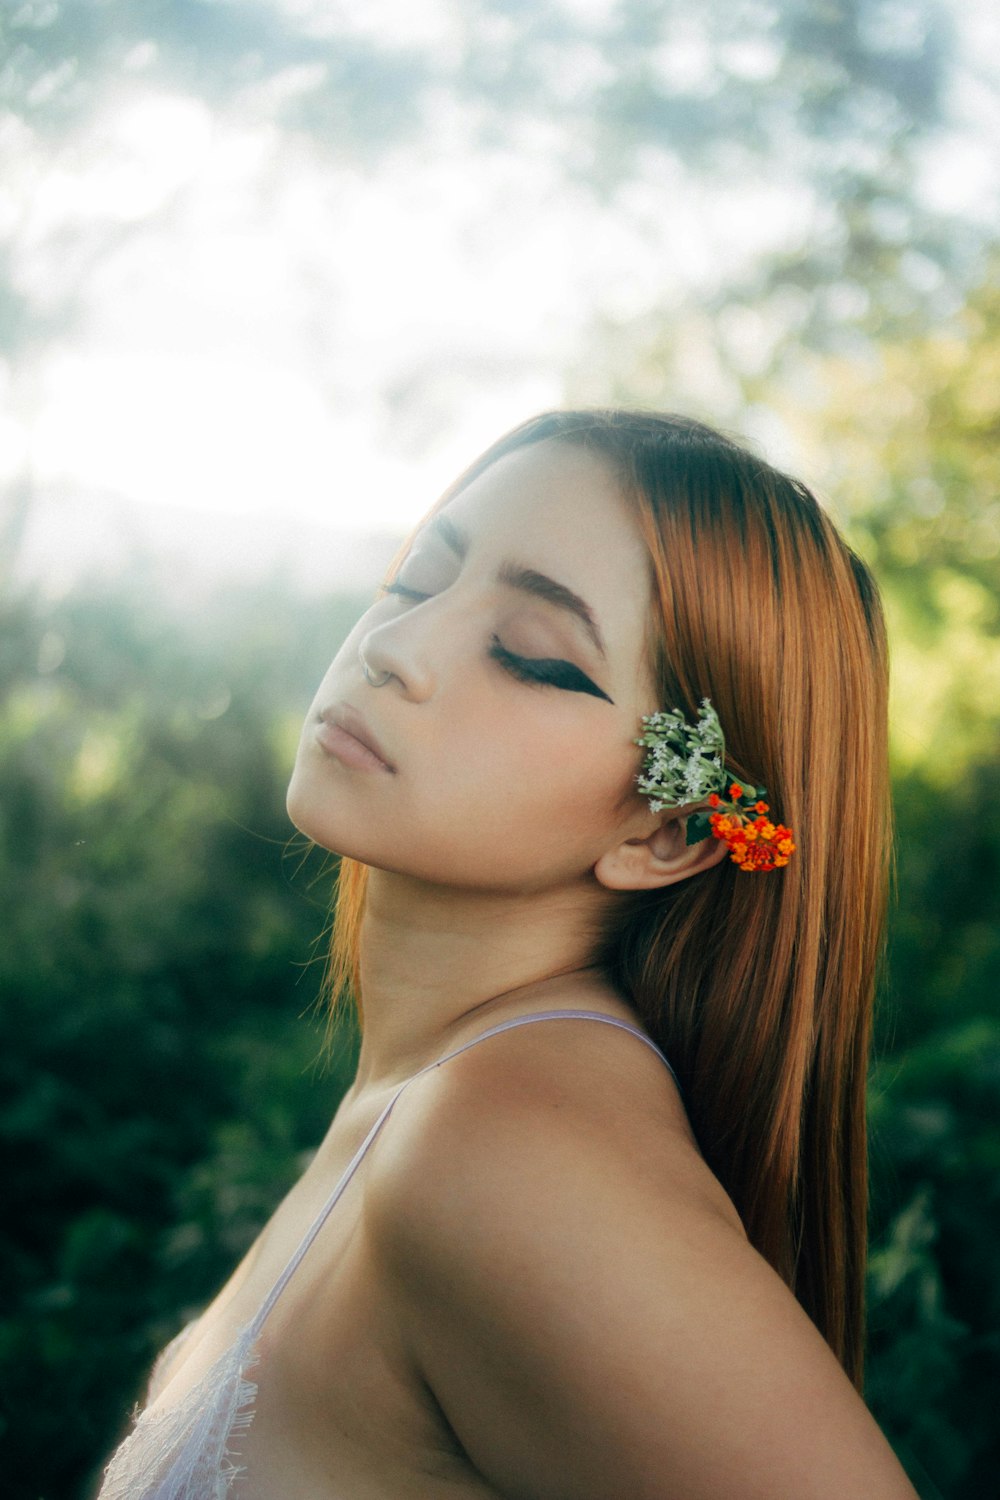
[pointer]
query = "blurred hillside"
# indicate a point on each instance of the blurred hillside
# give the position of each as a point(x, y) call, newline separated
point(58, 536)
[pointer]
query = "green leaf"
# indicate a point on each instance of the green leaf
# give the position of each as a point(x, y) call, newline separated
point(698, 827)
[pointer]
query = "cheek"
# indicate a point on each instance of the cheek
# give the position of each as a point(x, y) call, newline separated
point(527, 803)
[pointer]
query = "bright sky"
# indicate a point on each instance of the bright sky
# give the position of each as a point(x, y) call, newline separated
point(271, 342)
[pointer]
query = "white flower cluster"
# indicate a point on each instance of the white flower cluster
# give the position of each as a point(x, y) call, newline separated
point(685, 761)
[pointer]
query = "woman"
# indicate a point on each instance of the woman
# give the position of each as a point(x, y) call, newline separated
point(558, 1270)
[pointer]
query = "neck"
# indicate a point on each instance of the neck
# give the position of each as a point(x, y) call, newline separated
point(434, 959)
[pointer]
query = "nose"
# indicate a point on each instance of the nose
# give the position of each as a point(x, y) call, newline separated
point(402, 652)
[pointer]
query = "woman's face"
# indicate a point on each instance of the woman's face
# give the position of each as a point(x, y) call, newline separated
point(489, 777)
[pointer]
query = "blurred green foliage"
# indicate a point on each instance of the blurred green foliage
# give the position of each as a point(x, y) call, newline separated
point(158, 1086)
point(914, 468)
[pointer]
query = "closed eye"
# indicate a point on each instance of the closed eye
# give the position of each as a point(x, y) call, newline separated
point(403, 591)
point(543, 670)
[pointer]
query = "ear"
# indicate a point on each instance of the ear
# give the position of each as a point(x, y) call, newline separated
point(661, 858)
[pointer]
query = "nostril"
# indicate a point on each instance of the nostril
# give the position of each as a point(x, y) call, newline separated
point(374, 679)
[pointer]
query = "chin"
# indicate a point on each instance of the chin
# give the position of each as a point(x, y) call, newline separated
point(329, 817)
point(316, 827)
point(309, 811)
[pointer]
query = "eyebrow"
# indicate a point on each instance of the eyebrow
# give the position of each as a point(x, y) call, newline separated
point(528, 580)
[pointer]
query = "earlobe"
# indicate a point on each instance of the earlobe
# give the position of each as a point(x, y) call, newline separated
point(662, 858)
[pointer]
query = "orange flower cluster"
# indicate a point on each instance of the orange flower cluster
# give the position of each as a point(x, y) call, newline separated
point(755, 843)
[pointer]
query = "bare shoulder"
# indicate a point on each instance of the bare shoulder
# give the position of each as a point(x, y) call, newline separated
point(580, 1296)
point(516, 1112)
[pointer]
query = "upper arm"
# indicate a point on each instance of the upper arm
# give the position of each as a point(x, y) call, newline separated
point(593, 1324)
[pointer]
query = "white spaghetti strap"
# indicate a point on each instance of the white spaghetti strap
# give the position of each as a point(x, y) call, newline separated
point(556, 1015)
point(356, 1159)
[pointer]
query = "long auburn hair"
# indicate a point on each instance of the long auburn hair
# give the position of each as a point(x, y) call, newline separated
point(758, 987)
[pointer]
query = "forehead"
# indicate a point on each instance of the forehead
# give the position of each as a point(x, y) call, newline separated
point(558, 509)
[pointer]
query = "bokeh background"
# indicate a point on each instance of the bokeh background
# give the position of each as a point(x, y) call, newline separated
point(271, 271)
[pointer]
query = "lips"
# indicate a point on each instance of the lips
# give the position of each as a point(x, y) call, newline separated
point(347, 718)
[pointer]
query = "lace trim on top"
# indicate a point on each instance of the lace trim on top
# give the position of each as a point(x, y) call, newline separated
point(186, 1452)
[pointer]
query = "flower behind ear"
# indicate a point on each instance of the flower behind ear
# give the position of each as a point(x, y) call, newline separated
point(685, 760)
point(685, 763)
point(754, 843)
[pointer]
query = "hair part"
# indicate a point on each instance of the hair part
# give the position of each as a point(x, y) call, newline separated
point(759, 988)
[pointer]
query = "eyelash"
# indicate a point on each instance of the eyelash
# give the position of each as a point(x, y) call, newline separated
point(400, 588)
point(540, 670)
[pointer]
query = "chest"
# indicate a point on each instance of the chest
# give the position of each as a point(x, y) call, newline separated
point(341, 1410)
